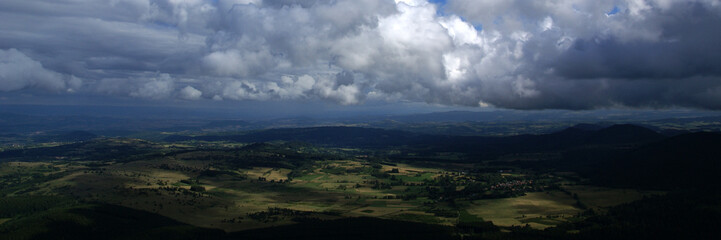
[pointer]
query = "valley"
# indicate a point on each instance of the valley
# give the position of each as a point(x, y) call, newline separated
point(233, 186)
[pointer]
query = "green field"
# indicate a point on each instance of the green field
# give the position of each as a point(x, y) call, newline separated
point(600, 198)
point(154, 187)
point(270, 185)
point(519, 210)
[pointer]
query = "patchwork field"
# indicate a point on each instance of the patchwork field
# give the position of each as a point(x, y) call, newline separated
point(538, 209)
point(175, 189)
point(223, 194)
point(600, 198)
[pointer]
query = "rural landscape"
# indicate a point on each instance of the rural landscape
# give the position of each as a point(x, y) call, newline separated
point(580, 182)
point(360, 119)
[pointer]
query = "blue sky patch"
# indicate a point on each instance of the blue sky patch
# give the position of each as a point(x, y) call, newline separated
point(613, 11)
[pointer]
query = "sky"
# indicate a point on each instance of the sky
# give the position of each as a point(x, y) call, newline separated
point(363, 54)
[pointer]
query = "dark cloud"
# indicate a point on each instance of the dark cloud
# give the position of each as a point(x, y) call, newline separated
point(686, 47)
point(519, 54)
point(18, 72)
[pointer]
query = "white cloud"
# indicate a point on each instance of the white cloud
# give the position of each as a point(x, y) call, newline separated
point(546, 24)
point(234, 63)
point(18, 71)
point(504, 53)
point(190, 93)
point(155, 88)
point(343, 94)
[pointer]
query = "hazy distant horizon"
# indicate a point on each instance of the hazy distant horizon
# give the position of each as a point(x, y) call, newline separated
point(327, 111)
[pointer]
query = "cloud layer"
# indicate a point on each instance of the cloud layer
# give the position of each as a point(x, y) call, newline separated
point(570, 54)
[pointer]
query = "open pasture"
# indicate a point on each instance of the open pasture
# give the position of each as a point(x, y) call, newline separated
point(526, 209)
point(233, 198)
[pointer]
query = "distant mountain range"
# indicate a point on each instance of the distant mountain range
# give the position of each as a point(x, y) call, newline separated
point(125, 121)
point(383, 138)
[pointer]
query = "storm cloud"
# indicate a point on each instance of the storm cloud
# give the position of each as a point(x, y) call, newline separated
point(566, 54)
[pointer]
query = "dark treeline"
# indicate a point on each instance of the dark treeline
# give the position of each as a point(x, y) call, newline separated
point(474, 147)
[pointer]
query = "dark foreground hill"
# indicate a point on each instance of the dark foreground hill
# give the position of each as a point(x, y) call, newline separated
point(103, 222)
point(351, 229)
point(106, 221)
point(689, 215)
point(684, 161)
